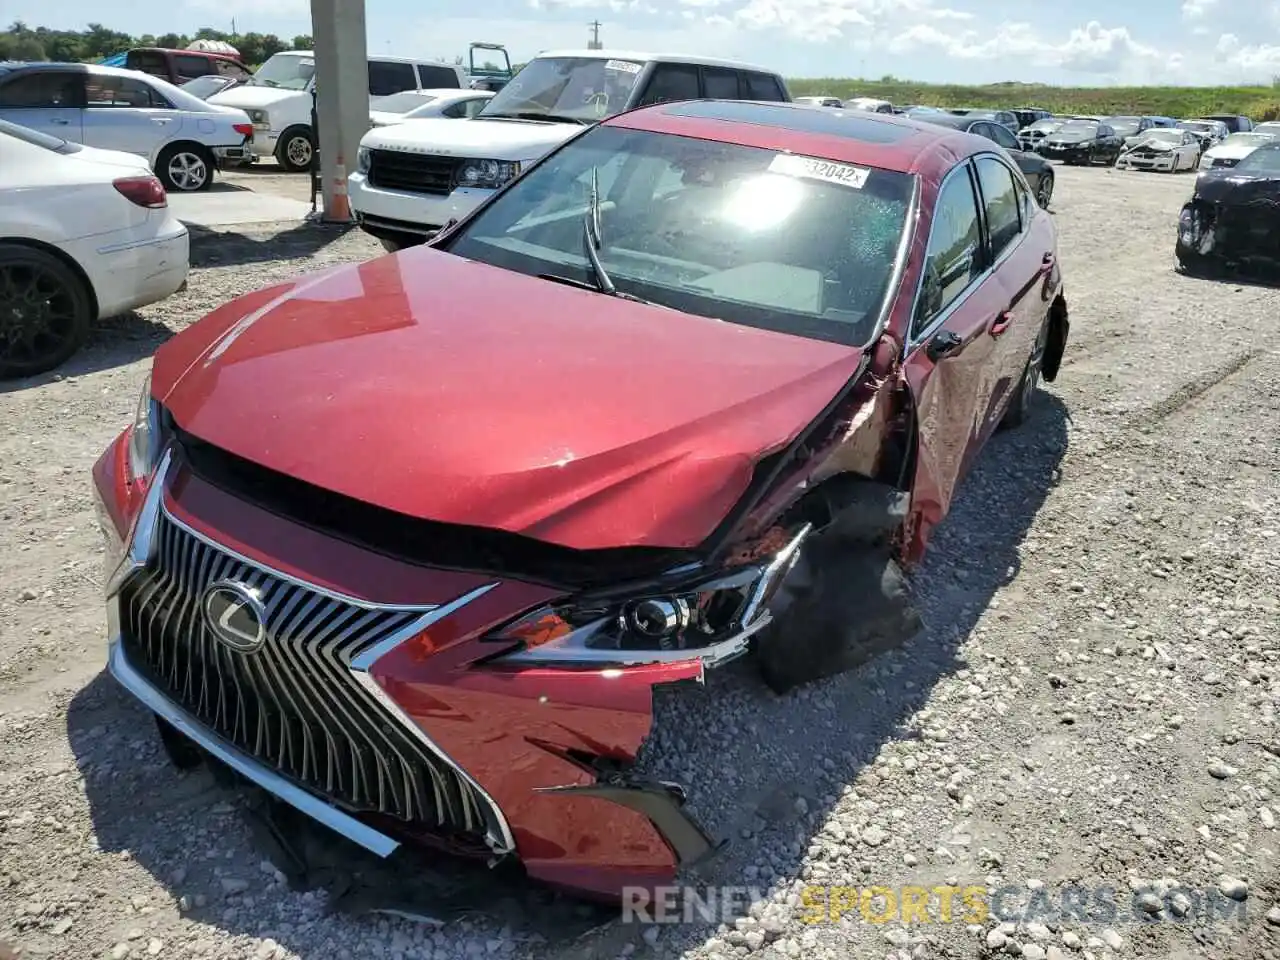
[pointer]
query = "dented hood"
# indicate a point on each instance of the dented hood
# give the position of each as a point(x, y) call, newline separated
point(450, 390)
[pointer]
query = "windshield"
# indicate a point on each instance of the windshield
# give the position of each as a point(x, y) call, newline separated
point(204, 87)
point(740, 234)
point(36, 138)
point(288, 71)
point(1048, 126)
point(1079, 126)
point(1194, 125)
point(576, 88)
point(1246, 140)
point(1124, 126)
point(401, 102)
point(1265, 159)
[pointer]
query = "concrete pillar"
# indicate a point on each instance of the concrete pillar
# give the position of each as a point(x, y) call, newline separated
point(342, 96)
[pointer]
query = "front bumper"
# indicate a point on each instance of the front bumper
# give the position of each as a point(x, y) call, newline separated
point(517, 734)
point(1163, 163)
point(1051, 152)
point(399, 214)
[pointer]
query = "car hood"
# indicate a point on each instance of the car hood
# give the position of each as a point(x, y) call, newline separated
point(450, 390)
point(1230, 151)
point(476, 137)
point(381, 118)
point(1151, 143)
point(246, 97)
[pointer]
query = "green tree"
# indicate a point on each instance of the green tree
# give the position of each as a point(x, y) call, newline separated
point(302, 41)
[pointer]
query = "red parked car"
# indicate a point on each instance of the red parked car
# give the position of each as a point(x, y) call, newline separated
point(410, 542)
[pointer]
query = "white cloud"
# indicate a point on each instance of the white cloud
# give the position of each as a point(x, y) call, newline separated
point(1196, 9)
point(1092, 49)
point(1258, 62)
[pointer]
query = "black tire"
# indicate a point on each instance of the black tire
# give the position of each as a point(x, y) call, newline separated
point(45, 311)
point(1019, 409)
point(1044, 190)
point(185, 167)
point(295, 149)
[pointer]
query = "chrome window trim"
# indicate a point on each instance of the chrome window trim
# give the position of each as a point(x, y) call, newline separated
point(969, 167)
point(138, 552)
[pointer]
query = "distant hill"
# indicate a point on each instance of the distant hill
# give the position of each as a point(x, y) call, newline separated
point(1260, 103)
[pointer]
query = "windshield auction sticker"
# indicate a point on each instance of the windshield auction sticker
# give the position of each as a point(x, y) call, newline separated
point(622, 66)
point(843, 174)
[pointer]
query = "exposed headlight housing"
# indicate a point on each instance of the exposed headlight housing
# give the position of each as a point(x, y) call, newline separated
point(712, 618)
point(362, 159)
point(487, 173)
point(146, 436)
point(258, 116)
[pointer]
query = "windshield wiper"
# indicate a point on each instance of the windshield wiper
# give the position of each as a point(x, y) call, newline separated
point(534, 115)
point(592, 238)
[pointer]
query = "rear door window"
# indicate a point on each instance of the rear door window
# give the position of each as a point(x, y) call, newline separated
point(761, 86)
point(1000, 201)
point(113, 91)
point(672, 81)
point(188, 66)
point(388, 78)
point(43, 90)
point(436, 77)
point(720, 84)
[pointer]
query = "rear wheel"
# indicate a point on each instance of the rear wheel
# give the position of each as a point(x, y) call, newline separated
point(185, 167)
point(1020, 405)
point(45, 311)
point(1044, 190)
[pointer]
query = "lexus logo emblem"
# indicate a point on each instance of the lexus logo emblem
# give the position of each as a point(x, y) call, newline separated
point(235, 615)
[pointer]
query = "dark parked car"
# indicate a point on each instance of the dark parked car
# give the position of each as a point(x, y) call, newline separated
point(1082, 142)
point(1006, 118)
point(1228, 225)
point(1026, 116)
point(1125, 127)
point(1037, 170)
point(1234, 121)
point(179, 66)
point(460, 647)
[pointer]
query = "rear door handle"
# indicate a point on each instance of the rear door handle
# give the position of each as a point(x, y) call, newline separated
point(159, 121)
point(1001, 323)
point(60, 121)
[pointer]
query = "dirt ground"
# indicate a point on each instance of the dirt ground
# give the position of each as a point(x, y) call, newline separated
point(1092, 706)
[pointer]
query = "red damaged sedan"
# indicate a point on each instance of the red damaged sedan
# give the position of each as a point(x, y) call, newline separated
point(409, 543)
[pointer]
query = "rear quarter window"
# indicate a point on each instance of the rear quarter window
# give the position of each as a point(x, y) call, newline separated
point(437, 77)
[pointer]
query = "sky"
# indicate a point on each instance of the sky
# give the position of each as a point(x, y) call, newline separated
point(1086, 43)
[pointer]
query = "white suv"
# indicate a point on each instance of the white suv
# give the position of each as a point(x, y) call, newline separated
point(278, 98)
point(413, 178)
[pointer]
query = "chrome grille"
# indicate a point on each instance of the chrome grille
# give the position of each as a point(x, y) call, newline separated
point(295, 703)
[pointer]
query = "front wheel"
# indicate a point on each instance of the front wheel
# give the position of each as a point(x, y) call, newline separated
point(1020, 406)
point(45, 311)
point(185, 167)
point(295, 150)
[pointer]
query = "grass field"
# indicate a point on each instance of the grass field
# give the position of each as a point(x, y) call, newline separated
point(1260, 103)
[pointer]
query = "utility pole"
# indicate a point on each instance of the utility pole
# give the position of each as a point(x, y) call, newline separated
point(594, 43)
point(233, 27)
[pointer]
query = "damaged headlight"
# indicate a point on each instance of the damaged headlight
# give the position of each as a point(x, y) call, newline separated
point(712, 619)
point(146, 436)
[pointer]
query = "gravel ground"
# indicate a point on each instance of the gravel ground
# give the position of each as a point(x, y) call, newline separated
point(1093, 703)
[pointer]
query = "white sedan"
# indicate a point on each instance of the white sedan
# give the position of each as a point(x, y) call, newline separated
point(182, 137)
point(419, 104)
point(1160, 148)
point(84, 234)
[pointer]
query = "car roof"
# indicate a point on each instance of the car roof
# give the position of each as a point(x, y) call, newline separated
point(194, 53)
point(886, 141)
point(662, 57)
